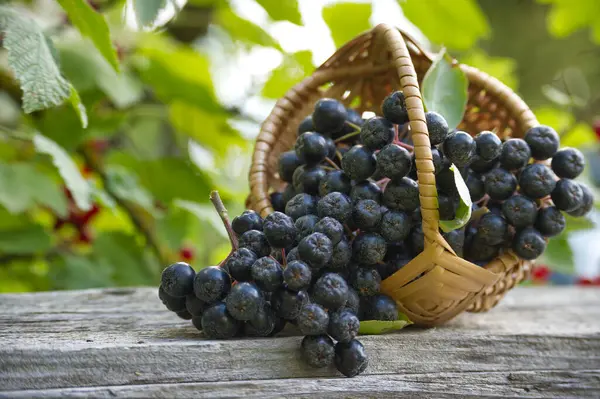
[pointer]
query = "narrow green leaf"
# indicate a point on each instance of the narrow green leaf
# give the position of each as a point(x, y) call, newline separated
point(30, 55)
point(463, 213)
point(78, 107)
point(243, 30)
point(376, 327)
point(282, 10)
point(29, 240)
point(445, 90)
point(146, 11)
point(67, 169)
point(292, 70)
point(92, 25)
point(346, 20)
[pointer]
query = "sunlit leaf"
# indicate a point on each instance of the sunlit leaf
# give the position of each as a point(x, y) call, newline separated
point(242, 30)
point(292, 70)
point(78, 107)
point(146, 11)
point(204, 212)
point(581, 136)
point(346, 20)
point(92, 25)
point(376, 327)
point(29, 240)
point(124, 184)
point(567, 16)
point(445, 90)
point(463, 213)
point(282, 10)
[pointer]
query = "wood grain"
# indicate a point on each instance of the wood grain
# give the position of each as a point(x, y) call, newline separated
point(540, 342)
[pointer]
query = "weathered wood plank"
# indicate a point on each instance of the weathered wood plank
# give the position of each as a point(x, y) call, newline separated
point(122, 341)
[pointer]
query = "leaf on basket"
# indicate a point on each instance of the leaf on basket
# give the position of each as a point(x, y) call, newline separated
point(463, 213)
point(445, 89)
point(376, 327)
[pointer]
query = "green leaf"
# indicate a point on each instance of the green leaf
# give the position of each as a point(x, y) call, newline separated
point(205, 213)
point(29, 240)
point(346, 20)
point(242, 30)
point(146, 11)
point(30, 57)
point(567, 16)
point(457, 24)
point(73, 272)
point(559, 255)
point(67, 169)
point(173, 227)
point(463, 213)
point(445, 90)
point(282, 10)
point(376, 327)
point(502, 68)
point(125, 185)
point(292, 70)
point(580, 136)
point(92, 25)
point(78, 107)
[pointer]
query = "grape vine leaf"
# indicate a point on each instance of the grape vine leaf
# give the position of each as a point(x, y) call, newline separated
point(31, 58)
point(463, 213)
point(282, 10)
point(346, 20)
point(376, 327)
point(146, 11)
point(77, 185)
point(445, 89)
point(92, 25)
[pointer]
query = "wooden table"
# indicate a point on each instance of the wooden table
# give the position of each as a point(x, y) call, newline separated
point(540, 342)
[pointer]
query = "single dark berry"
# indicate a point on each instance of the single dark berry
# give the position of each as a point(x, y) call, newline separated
point(255, 241)
point(279, 326)
point(476, 250)
point(297, 275)
point(300, 205)
point(244, 301)
point(287, 303)
point(312, 319)
point(342, 253)
point(333, 229)
point(354, 118)
point(239, 264)
point(394, 108)
point(447, 205)
point(568, 163)
point(331, 148)
point(536, 181)
point(395, 226)
point(335, 205)
point(369, 248)
point(437, 128)
point(489, 146)
point(366, 281)
point(311, 148)
point(359, 163)
point(197, 322)
point(543, 142)
point(445, 182)
point(329, 116)
point(402, 194)
point(307, 179)
point(366, 214)
point(416, 240)
point(335, 180)
point(586, 204)
point(393, 161)
point(350, 358)
point(184, 314)
point(476, 186)
point(492, 229)
point(481, 166)
point(376, 133)
point(520, 211)
point(248, 220)
point(194, 305)
point(306, 125)
point(550, 221)
point(288, 193)
point(382, 307)
point(365, 189)
point(211, 284)
point(178, 279)
point(343, 325)
point(305, 225)
point(317, 350)
point(331, 291)
point(267, 274)
point(292, 255)
point(217, 323)
point(316, 250)
point(173, 303)
point(353, 302)
point(456, 239)
point(262, 324)
point(277, 201)
point(288, 162)
point(515, 154)
point(280, 230)
point(529, 243)
point(567, 195)
point(500, 184)
point(460, 148)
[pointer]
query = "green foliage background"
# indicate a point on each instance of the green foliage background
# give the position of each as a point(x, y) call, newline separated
point(116, 100)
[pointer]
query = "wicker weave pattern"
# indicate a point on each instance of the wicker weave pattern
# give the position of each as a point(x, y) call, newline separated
point(436, 285)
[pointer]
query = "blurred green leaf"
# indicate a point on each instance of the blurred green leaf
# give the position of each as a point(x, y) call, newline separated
point(78, 107)
point(559, 255)
point(580, 136)
point(292, 70)
point(125, 185)
point(282, 10)
point(73, 272)
point(242, 30)
point(463, 213)
point(567, 16)
point(146, 11)
point(204, 212)
point(456, 24)
point(502, 68)
point(92, 25)
point(346, 20)
point(32, 239)
point(67, 169)
point(173, 227)
point(445, 90)
point(376, 327)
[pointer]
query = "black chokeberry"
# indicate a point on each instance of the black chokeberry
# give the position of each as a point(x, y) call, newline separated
point(329, 116)
point(331, 148)
point(267, 274)
point(393, 161)
point(395, 226)
point(311, 148)
point(492, 229)
point(300, 205)
point(335, 180)
point(520, 211)
point(353, 302)
point(317, 350)
point(217, 323)
point(456, 239)
point(489, 146)
point(586, 204)
point(365, 280)
point(376, 133)
point(287, 303)
point(280, 230)
point(248, 220)
point(292, 255)
point(354, 118)
point(568, 163)
point(394, 108)
point(515, 154)
point(536, 181)
point(184, 314)
point(262, 324)
point(550, 221)
point(365, 189)
point(402, 194)
point(312, 319)
point(359, 163)
point(316, 250)
point(195, 306)
point(366, 214)
point(476, 250)
point(288, 193)
point(500, 184)
point(437, 127)
point(297, 275)
point(331, 291)
point(306, 179)
point(305, 226)
point(178, 279)
point(529, 243)
point(277, 201)
point(306, 125)
point(288, 162)
point(343, 325)
point(447, 205)
point(475, 185)
point(350, 358)
point(244, 301)
point(381, 307)
point(331, 228)
point(416, 239)
point(342, 253)
point(481, 166)
point(543, 142)
point(173, 303)
point(255, 241)
point(335, 205)
point(369, 248)
point(460, 148)
point(211, 284)
point(567, 195)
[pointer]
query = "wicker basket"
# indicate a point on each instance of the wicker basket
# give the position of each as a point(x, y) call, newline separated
point(437, 284)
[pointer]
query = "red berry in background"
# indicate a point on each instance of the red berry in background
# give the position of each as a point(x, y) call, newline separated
point(596, 281)
point(584, 281)
point(186, 254)
point(84, 236)
point(540, 273)
point(86, 171)
point(596, 127)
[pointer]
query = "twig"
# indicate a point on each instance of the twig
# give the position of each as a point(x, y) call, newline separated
point(283, 258)
point(222, 211)
point(339, 155)
point(330, 162)
point(347, 136)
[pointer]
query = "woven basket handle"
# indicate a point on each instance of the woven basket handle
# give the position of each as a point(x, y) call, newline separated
point(420, 136)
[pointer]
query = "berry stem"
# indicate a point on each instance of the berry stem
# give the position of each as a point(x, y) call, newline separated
point(383, 182)
point(330, 162)
point(347, 136)
point(215, 198)
point(396, 133)
point(353, 126)
point(407, 146)
point(283, 259)
point(339, 155)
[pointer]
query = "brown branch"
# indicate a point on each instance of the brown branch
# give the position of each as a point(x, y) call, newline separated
point(222, 211)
